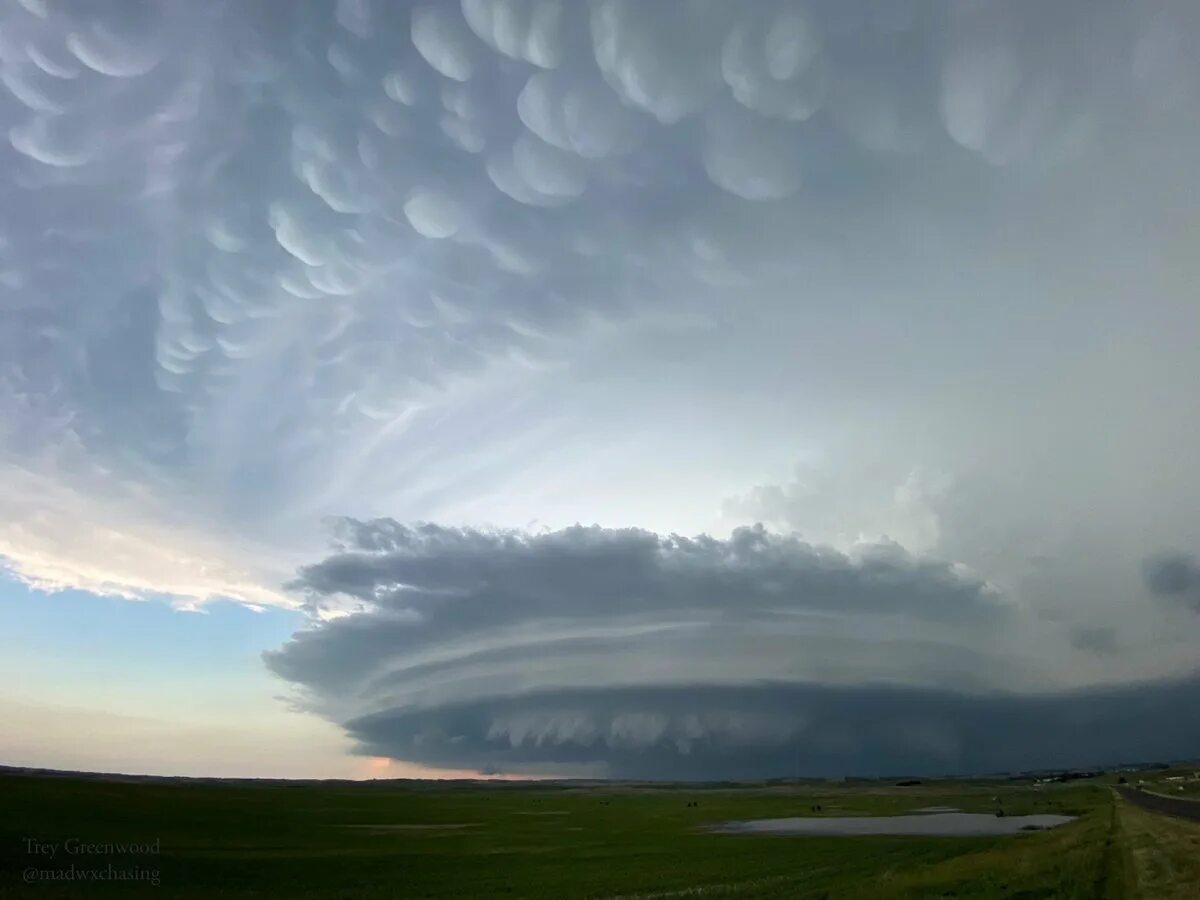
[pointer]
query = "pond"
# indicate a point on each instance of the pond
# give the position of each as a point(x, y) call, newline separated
point(939, 824)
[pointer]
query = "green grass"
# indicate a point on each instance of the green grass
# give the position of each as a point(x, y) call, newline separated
point(1189, 789)
point(1162, 854)
point(385, 840)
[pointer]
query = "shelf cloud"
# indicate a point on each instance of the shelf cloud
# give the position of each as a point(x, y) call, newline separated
point(638, 655)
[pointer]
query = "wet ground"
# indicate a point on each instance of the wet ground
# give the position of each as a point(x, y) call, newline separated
point(926, 824)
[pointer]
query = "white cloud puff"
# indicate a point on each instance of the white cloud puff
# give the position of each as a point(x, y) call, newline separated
point(751, 157)
point(651, 62)
point(433, 215)
point(528, 30)
point(582, 117)
point(777, 66)
point(440, 37)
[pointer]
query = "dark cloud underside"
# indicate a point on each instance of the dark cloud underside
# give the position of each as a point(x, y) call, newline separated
point(774, 730)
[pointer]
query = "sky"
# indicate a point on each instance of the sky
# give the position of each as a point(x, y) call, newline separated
point(598, 388)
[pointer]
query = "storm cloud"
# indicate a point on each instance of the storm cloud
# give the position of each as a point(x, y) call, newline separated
point(625, 653)
point(435, 610)
point(909, 282)
point(628, 654)
point(590, 646)
point(1174, 578)
point(246, 245)
point(710, 732)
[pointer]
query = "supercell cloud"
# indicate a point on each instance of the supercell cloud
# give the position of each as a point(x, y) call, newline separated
point(549, 647)
point(911, 282)
point(622, 653)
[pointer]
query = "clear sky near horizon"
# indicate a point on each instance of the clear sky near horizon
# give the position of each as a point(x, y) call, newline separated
point(536, 387)
point(140, 687)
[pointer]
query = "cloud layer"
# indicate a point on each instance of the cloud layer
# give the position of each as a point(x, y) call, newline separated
point(1174, 578)
point(611, 628)
point(711, 732)
point(623, 653)
point(250, 252)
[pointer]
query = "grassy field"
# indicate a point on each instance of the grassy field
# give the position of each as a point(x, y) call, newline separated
point(400, 841)
point(1162, 855)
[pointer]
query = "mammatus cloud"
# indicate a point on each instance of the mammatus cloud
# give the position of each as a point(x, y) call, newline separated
point(252, 254)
